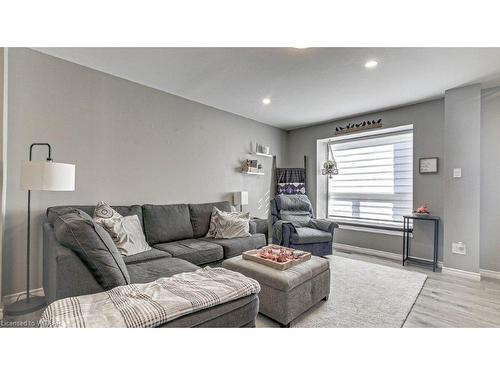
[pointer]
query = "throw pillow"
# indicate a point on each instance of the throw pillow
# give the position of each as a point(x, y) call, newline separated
point(103, 211)
point(229, 224)
point(94, 246)
point(126, 232)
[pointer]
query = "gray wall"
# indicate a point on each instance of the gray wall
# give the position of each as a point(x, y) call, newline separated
point(130, 144)
point(428, 121)
point(490, 180)
point(462, 199)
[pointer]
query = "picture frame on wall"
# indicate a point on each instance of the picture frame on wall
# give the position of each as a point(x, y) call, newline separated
point(428, 165)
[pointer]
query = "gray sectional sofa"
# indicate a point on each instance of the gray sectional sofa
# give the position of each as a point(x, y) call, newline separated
point(176, 234)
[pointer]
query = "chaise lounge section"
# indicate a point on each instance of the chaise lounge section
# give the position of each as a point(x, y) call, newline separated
point(176, 234)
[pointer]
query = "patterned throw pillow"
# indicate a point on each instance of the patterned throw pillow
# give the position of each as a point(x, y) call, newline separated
point(103, 211)
point(291, 188)
point(126, 231)
point(229, 224)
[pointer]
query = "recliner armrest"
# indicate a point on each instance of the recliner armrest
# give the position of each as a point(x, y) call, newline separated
point(325, 225)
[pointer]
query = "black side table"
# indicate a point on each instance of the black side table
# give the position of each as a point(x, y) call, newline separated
point(406, 239)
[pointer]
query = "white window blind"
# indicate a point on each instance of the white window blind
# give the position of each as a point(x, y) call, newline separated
point(375, 180)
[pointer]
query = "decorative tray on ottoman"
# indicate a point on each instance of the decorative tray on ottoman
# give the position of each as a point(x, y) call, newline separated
point(277, 257)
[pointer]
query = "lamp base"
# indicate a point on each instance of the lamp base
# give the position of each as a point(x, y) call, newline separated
point(25, 306)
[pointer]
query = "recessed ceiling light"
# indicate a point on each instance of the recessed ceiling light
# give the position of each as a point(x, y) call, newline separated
point(300, 47)
point(266, 101)
point(371, 64)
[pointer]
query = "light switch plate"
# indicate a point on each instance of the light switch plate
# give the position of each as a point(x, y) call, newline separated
point(457, 172)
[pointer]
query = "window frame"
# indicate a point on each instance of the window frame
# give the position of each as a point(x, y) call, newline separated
point(365, 223)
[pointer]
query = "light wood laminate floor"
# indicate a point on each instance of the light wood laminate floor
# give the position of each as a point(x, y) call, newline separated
point(447, 300)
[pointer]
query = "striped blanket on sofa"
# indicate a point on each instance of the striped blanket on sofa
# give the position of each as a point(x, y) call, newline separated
point(151, 304)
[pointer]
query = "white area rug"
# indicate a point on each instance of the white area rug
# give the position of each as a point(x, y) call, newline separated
point(365, 295)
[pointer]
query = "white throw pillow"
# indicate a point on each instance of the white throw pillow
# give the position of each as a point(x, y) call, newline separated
point(126, 231)
point(229, 224)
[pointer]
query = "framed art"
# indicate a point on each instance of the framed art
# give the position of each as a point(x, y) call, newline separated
point(428, 165)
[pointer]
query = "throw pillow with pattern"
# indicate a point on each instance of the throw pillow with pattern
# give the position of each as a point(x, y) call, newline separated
point(126, 231)
point(229, 224)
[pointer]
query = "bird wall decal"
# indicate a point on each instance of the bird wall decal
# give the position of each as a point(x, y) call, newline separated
point(368, 124)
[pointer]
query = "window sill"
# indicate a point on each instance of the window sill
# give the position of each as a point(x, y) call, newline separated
point(367, 229)
point(370, 228)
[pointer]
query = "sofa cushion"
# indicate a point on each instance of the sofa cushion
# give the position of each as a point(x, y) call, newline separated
point(201, 213)
point(54, 212)
point(166, 223)
point(235, 246)
point(305, 235)
point(194, 251)
point(94, 247)
point(146, 256)
point(146, 272)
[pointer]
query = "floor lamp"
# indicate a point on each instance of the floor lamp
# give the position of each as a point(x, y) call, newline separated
point(44, 176)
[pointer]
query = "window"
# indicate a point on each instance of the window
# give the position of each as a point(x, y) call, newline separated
point(375, 181)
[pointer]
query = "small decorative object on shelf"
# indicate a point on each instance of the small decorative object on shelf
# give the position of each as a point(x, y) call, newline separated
point(422, 210)
point(250, 166)
point(357, 127)
point(329, 168)
point(262, 150)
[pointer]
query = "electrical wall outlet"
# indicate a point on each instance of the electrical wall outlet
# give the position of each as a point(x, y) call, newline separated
point(458, 248)
point(457, 172)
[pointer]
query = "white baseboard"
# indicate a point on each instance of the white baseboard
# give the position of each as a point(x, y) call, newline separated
point(462, 273)
point(490, 274)
point(367, 251)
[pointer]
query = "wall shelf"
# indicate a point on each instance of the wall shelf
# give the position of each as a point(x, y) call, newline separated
point(255, 173)
point(262, 154)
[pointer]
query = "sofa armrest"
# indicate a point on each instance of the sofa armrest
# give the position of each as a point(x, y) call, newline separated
point(64, 274)
point(252, 226)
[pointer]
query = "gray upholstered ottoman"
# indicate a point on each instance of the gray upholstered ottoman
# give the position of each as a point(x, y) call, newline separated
point(286, 294)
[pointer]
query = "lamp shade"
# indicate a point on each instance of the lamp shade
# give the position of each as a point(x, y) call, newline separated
point(240, 197)
point(47, 175)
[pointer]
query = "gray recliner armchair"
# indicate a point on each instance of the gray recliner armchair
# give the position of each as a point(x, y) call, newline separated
point(294, 225)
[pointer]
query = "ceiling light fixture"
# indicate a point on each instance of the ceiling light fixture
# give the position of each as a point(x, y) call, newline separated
point(300, 47)
point(371, 64)
point(266, 101)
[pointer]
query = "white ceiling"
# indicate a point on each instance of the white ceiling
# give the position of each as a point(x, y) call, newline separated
point(306, 86)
